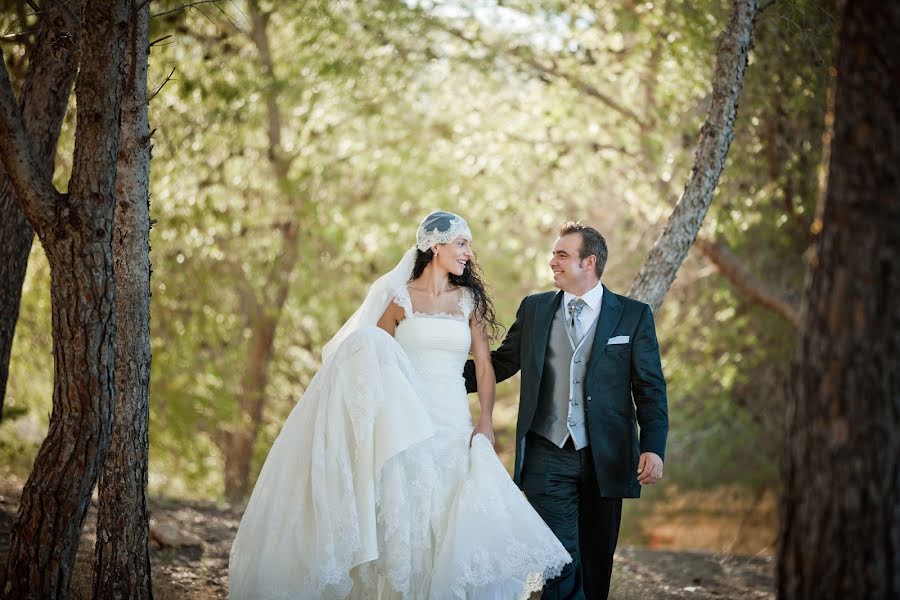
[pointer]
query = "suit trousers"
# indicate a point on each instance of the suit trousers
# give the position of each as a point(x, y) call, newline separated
point(561, 484)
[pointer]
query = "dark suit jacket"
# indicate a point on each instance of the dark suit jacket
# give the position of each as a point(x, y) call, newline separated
point(625, 388)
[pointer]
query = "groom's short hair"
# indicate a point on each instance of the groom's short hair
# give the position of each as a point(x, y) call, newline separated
point(592, 243)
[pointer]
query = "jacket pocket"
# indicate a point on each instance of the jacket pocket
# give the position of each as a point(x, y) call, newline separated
point(618, 348)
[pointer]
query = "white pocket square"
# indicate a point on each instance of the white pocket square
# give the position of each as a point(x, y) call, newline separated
point(619, 339)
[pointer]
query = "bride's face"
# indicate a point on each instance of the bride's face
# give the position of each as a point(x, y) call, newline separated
point(454, 256)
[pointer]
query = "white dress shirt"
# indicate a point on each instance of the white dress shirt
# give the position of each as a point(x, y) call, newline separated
point(591, 311)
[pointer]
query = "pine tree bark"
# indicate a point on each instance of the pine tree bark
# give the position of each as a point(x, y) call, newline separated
point(840, 505)
point(669, 251)
point(76, 231)
point(122, 555)
point(52, 64)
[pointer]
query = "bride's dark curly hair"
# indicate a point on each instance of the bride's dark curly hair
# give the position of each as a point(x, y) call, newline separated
point(472, 279)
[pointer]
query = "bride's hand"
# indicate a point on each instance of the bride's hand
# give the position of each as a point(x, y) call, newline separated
point(485, 427)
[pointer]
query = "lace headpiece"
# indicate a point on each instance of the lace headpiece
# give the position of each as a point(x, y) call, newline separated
point(437, 228)
point(440, 227)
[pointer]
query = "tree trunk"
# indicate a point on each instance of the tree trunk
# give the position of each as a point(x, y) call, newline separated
point(76, 232)
point(670, 249)
point(840, 506)
point(122, 559)
point(238, 449)
point(16, 235)
point(241, 441)
point(265, 315)
point(52, 64)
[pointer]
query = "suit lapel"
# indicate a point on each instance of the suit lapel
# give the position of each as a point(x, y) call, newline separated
point(610, 311)
point(543, 317)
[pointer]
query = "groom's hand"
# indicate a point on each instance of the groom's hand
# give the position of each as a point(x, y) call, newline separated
point(650, 468)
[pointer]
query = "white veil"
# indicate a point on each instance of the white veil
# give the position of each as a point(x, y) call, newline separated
point(438, 227)
point(377, 300)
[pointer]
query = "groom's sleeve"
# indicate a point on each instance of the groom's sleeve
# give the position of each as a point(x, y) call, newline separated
point(505, 358)
point(648, 386)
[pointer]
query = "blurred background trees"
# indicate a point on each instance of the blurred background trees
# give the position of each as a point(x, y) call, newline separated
point(298, 144)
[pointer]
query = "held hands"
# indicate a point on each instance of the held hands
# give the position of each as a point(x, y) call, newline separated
point(485, 427)
point(650, 468)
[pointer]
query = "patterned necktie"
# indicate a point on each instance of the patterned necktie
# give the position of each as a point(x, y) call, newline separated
point(575, 306)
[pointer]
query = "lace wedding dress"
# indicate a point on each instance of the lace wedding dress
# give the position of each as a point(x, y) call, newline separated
point(372, 491)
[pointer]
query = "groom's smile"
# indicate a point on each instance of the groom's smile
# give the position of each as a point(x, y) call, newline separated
point(570, 273)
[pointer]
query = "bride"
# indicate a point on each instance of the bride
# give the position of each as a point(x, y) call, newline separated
point(378, 485)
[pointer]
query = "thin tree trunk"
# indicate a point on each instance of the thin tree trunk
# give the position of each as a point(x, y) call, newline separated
point(265, 315)
point(241, 441)
point(52, 63)
point(238, 450)
point(76, 232)
point(840, 506)
point(669, 251)
point(122, 559)
point(16, 236)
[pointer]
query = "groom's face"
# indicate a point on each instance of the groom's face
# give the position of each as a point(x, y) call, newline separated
point(570, 272)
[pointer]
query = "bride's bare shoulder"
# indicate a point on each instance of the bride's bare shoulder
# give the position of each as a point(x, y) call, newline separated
point(392, 316)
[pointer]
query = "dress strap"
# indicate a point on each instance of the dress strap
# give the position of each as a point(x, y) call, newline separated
point(402, 299)
point(467, 302)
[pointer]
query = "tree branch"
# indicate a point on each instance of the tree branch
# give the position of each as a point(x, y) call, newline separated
point(250, 305)
point(259, 36)
point(593, 145)
point(588, 89)
point(31, 182)
point(732, 269)
point(159, 40)
point(279, 277)
point(160, 86)
point(648, 156)
point(669, 251)
point(45, 95)
point(552, 71)
point(182, 7)
point(18, 38)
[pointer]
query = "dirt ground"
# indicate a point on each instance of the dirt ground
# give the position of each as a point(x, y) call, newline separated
point(198, 570)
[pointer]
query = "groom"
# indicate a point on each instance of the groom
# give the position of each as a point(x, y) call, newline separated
point(591, 377)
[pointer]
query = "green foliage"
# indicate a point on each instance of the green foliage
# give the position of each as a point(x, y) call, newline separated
point(26, 414)
point(518, 116)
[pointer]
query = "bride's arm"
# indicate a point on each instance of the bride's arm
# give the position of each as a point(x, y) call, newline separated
point(484, 375)
point(391, 317)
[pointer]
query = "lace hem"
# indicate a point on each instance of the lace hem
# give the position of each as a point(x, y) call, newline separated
point(397, 508)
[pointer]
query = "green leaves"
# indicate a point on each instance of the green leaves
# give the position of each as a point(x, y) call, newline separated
point(517, 116)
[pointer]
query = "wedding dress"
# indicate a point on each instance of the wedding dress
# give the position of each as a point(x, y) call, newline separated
point(372, 491)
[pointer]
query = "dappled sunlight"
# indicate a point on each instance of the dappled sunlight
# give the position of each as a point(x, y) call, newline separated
point(297, 146)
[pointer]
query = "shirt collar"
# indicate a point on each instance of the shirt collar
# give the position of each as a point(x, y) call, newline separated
point(592, 298)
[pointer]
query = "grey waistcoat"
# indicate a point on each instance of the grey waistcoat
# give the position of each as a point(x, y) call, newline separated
point(560, 409)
